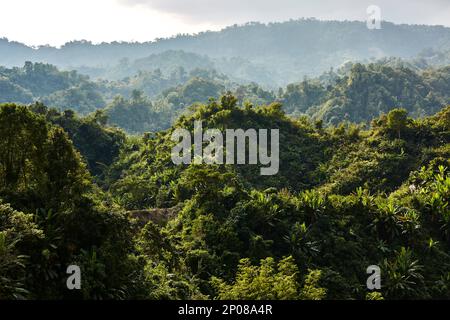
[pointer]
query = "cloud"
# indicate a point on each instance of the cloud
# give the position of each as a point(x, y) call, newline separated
point(238, 11)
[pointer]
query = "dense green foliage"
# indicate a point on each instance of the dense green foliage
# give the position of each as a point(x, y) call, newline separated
point(60, 218)
point(136, 115)
point(87, 179)
point(99, 145)
point(153, 100)
point(367, 91)
point(345, 198)
point(44, 82)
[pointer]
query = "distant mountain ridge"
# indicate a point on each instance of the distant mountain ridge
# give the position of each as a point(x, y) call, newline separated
point(288, 50)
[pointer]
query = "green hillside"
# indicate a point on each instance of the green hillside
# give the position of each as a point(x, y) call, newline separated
point(346, 197)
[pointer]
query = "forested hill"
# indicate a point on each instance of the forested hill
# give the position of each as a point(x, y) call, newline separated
point(73, 190)
point(367, 91)
point(361, 148)
point(287, 50)
point(44, 82)
point(152, 100)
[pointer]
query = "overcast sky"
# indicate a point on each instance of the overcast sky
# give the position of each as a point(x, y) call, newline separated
point(54, 22)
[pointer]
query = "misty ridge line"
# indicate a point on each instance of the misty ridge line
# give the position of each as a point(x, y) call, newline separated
point(205, 33)
point(270, 54)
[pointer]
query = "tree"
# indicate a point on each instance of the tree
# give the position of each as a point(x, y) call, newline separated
point(269, 281)
point(137, 96)
point(67, 176)
point(23, 138)
point(397, 120)
point(18, 234)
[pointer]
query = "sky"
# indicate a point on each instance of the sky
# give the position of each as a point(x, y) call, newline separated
point(54, 22)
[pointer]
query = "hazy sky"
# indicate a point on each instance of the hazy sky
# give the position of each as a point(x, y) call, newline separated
point(55, 22)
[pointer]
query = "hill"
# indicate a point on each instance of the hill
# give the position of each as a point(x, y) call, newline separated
point(285, 51)
point(367, 91)
point(345, 198)
point(44, 82)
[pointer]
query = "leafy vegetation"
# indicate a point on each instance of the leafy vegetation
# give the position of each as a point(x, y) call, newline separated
point(44, 82)
point(87, 178)
point(365, 92)
point(345, 198)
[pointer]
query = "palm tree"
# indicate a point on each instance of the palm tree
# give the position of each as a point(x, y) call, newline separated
point(12, 267)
